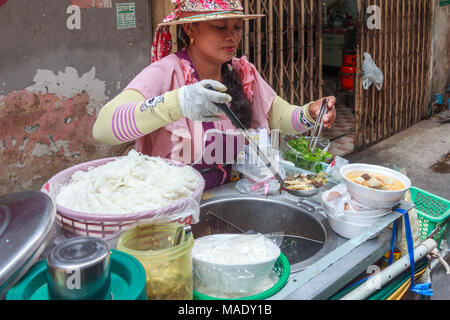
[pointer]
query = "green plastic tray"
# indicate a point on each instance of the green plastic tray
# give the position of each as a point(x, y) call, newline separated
point(282, 268)
point(127, 280)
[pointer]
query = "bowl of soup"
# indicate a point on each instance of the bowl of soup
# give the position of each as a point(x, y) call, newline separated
point(375, 186)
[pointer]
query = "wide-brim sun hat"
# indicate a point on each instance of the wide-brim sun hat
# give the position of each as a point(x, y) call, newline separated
point(208, 16)
point(191, 11)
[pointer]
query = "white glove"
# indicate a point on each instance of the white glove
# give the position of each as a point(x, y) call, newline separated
point(197, 102)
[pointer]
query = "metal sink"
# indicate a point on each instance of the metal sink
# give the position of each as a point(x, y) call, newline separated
point(305, 237)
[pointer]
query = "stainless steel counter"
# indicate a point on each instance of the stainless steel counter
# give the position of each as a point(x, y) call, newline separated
point(332, 272)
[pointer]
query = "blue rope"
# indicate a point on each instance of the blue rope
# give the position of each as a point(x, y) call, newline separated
point(394, 234)
point(423, 288)
point(409, 241)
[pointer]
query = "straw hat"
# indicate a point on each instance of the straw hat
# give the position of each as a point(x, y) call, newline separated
point(190, 11)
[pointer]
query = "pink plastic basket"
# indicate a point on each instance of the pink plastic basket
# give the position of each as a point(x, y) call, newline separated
point(105, 226)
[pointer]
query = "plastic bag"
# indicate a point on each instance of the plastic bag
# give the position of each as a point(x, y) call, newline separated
point(234, 265)
point(339, 202)
point(258, 179)
point(371, 73)
point(185, 210)
point(334, 169)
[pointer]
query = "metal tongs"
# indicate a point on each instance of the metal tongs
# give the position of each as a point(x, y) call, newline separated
point(315, 135)
point(238, 124)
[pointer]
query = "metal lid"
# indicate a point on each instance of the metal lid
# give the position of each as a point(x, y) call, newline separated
point(79, 269)
point(26, 220)
point(78, 252)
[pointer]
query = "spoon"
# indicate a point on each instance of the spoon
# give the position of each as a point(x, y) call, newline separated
point(180, 234)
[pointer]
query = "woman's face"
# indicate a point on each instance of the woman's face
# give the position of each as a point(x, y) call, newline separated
point(216, 40)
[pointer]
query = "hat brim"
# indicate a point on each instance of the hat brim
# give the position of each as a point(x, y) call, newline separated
point(212, 17)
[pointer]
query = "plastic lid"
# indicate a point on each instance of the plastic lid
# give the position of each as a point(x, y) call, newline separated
point(127, 280)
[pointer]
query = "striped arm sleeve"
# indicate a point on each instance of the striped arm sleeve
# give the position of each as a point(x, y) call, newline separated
point(124, 126)
point(301, 120)
point(129, 116)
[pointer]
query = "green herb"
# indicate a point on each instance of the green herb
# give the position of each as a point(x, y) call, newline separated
point(302, 157)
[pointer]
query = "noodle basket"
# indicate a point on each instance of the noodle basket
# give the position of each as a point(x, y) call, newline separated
point(108, 226)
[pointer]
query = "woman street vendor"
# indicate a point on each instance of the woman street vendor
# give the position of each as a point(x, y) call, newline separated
point(169, 112)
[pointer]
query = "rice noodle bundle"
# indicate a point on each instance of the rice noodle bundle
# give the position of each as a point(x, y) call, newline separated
point(129, 184)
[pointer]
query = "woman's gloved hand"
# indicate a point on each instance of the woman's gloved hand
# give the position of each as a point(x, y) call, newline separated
point(198, 103)
point(330, 116)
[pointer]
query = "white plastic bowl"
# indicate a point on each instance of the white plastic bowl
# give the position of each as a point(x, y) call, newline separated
point(351, 218)
point(346, 229)
point(232, 279)
point(377, 199)
point(363, 217)
point(350, 225)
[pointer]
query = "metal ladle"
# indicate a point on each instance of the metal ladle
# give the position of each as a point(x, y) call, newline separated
point(238, 124)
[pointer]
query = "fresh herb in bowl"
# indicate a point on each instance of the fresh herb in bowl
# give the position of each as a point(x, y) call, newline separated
point(298, 153)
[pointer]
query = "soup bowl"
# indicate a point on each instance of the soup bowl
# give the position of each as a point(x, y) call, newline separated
point(374, 198)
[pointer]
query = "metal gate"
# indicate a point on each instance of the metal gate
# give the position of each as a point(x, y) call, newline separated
point(286, 46)
point(401, 47)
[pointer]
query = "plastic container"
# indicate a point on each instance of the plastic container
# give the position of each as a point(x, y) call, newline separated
point(290, 169)
point(297, 158)
point(351, 222)
point(168, 267)
point(127, 280)
point(281, 271)
point(346, 229)
point(432, 210)
point(377, 199)
point(364, 217)
point(234, 278)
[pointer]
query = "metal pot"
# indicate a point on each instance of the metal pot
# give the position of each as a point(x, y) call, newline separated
point(26, 225)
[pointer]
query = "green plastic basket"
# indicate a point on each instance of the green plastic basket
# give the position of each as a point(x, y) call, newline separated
point(281, 267)
point(432, 210)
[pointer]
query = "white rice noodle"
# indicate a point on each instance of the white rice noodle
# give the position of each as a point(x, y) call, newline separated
point(133, 183)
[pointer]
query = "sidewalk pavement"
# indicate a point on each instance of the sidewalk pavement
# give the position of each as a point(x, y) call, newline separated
point(415, 150)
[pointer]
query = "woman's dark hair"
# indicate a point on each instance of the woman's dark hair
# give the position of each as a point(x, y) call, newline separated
point(240, 105)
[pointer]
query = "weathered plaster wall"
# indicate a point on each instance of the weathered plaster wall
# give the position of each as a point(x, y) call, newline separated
point(441, 49)
point(54, 80)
